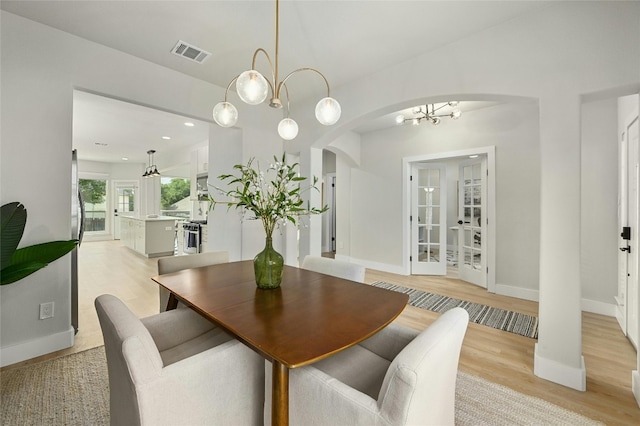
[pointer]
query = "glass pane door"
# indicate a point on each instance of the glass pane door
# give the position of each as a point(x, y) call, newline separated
point(125, 202)
point(472, 221)
point(428, 220)
point(94, 193)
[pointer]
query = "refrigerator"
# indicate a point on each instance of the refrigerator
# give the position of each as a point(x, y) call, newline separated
point(77, 232)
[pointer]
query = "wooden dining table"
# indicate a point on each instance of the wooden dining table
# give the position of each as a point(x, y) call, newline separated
point(311, 316)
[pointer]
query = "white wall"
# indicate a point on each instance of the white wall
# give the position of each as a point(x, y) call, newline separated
point(41, 67)
point(599, 232)
point(224, 227)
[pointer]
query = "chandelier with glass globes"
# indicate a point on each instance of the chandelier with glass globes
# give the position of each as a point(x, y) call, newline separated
point(253, 88)
point(430, 113)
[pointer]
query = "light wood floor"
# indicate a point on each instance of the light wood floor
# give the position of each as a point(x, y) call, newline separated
point(501, 357)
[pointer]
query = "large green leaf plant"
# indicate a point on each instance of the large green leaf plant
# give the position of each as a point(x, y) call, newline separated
point(17, 263)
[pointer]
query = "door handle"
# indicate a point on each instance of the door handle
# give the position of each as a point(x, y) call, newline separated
point(460, 222)
point(626, 233)
point(627, 249)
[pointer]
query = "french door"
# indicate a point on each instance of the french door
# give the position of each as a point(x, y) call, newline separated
point(472, 221)
point(125, 201)
point(428, 219)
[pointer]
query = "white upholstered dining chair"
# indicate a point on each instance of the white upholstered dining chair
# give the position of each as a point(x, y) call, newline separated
point(397, 377)
point(176, 368)
point(167, 265)
point(337, 268)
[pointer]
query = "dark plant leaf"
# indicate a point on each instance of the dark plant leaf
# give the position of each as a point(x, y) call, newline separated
point(16, 272)
point(13, 217)
point(42, 253)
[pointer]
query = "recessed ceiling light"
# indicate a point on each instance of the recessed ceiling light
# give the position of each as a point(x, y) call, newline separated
point(473, 156)
point(166, 138)
point(189, 124)
point(125, 159)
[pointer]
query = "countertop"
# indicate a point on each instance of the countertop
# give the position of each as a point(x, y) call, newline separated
point(151, 219)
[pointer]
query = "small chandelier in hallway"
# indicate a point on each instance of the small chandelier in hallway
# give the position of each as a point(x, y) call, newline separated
point(429, 113)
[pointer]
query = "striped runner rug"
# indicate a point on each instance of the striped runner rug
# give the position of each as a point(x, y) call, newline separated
point(513, 322)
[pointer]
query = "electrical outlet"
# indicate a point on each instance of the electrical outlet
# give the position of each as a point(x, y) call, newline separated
point(46, 310)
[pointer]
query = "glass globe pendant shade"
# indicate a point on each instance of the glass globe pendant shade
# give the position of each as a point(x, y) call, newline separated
point(252, 87)
point(328, 111)
point(400, 119)
point(455, 114)
point(225, 114)
point(288, 129)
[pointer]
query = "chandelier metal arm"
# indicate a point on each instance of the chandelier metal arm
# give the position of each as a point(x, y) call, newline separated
point(434, 109)
point(274, 71)
point(286, 92)
point(277, 94)
point(226, 93)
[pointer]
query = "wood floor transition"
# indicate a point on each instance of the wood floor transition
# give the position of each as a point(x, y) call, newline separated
point(498, 356)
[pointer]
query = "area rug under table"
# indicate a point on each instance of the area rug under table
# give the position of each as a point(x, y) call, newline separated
point(74, 390)
point(513, 322)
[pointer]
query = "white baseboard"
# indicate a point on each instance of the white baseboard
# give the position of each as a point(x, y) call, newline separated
point(595, 307)
point(592, 306)
point(384, 267)
point(548, 369)
point(520, 293)
point(635, 385)
point(36, 347)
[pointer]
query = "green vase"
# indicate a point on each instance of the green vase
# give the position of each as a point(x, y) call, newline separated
point(268, 267)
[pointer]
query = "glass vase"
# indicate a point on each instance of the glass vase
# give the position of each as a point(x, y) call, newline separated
point(267, 266)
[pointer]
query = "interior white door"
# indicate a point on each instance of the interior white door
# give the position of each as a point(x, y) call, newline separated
point(472, 221)
point(428, 219)
point(625, 235)
point(125, 202)
point(632, 247)
point(627, 298)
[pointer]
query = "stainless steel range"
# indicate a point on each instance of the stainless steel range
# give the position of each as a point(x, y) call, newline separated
point(193, 236)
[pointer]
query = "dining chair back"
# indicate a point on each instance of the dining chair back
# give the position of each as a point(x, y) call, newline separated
point(167, 265)
point(176, 367)
point(336, 268)
point(398, 376)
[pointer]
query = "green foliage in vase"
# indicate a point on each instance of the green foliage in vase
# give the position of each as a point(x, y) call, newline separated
point(273, 196)
point(17, 263)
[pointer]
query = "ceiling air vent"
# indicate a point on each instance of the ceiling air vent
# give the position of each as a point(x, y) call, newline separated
point(190, 52)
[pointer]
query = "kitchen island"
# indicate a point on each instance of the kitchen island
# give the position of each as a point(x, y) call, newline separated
point(149, 236)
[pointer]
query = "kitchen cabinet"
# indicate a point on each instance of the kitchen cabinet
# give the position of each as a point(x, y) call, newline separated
point(204, 237)
point(151, 237)
point(180, 236)
point(199, 167)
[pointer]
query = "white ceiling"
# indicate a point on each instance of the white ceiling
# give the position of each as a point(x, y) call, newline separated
point(344, 39)
point(107, 130)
